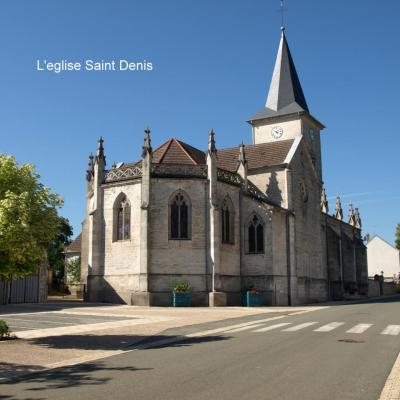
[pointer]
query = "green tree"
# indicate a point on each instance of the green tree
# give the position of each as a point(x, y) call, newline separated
point(74, 271)
point(28, 219)
point(55, 252)
point(397, 240)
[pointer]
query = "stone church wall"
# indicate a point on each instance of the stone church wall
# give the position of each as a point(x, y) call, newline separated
point(347, 260)
point(230, 252)
point(173, 261)
point(272, 182)
point(121, 258)
point(279, 258)
point(309, 237)
point(257, 269)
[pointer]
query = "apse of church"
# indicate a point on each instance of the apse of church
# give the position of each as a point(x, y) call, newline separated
point(225, 219)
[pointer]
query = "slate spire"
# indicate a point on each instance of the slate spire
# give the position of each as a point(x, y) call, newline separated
point(285, 87)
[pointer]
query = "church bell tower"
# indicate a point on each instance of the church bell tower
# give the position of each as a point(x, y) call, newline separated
point(286, 114)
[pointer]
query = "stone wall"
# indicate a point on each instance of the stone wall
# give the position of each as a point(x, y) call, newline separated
point(309, 237)
point(272, 182)
point(173, 261)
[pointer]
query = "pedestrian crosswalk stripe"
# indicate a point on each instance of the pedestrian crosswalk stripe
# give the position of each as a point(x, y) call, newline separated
point(270, 328)
point(244, 328)
point(298, 327)
point(393, 330)
point(329, 327)
point(360, 328)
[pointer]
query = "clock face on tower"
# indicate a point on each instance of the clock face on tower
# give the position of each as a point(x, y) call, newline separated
point(276, 132)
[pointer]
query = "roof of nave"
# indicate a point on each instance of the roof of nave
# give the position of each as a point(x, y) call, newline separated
point(176, 152)
point(257, 155)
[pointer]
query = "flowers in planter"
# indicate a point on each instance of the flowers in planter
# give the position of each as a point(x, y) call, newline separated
point(181, 287)
point(181, 295)
point(250, 289)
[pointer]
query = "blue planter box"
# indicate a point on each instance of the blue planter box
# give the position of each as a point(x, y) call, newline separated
point(181, 299)
point(251, 300)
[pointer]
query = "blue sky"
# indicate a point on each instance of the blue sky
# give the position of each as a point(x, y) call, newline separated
point(212, 62)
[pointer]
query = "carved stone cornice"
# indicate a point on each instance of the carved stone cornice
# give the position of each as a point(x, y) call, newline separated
point(115, 175)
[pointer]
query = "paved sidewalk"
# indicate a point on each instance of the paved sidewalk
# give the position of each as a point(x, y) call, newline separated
point(124, 327)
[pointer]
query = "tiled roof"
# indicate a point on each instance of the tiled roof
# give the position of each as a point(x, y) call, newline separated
point(257, 156)
point(176, 152)
point(75, 246)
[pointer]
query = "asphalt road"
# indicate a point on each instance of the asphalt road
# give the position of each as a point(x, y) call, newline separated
point(343, 352)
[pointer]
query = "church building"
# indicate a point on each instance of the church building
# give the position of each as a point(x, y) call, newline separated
point(225, 219)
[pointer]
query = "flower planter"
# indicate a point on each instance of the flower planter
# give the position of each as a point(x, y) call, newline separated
point(251, 300)
point(180, 299)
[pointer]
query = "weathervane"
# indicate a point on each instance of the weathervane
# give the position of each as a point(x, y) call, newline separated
point(282, 11)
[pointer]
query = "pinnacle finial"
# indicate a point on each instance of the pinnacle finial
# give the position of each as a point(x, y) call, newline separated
point(242, 154)
point(100, 147)
point(357, 219)
point(90, 170)
point(211, 142)
point(324, 202)
point(338, 209)
point(100, 150)
point(351, 215)
point(147, 142)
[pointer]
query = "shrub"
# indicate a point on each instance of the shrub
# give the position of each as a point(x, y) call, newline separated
point(4, 330)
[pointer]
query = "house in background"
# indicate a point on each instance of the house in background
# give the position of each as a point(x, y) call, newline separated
point(382, 256)
point(72, 254)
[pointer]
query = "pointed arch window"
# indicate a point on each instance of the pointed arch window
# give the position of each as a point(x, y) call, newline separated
point(227, 221)
point(256, 236)
point(179, 216)
point(122, 216)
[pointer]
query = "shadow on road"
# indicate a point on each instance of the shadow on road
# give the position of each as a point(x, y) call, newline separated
point(90, 373)
point(117, 342)
point(67, 377)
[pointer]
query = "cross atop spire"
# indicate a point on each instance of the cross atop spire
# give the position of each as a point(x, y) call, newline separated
point(282, 10)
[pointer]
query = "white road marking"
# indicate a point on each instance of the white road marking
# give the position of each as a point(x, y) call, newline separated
point(298, 327)
point(40, 321)
point(79, 329)
point(244, 328)
point(393, 330)
point(360, 328)
point(270, 328)
point(329, 327)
